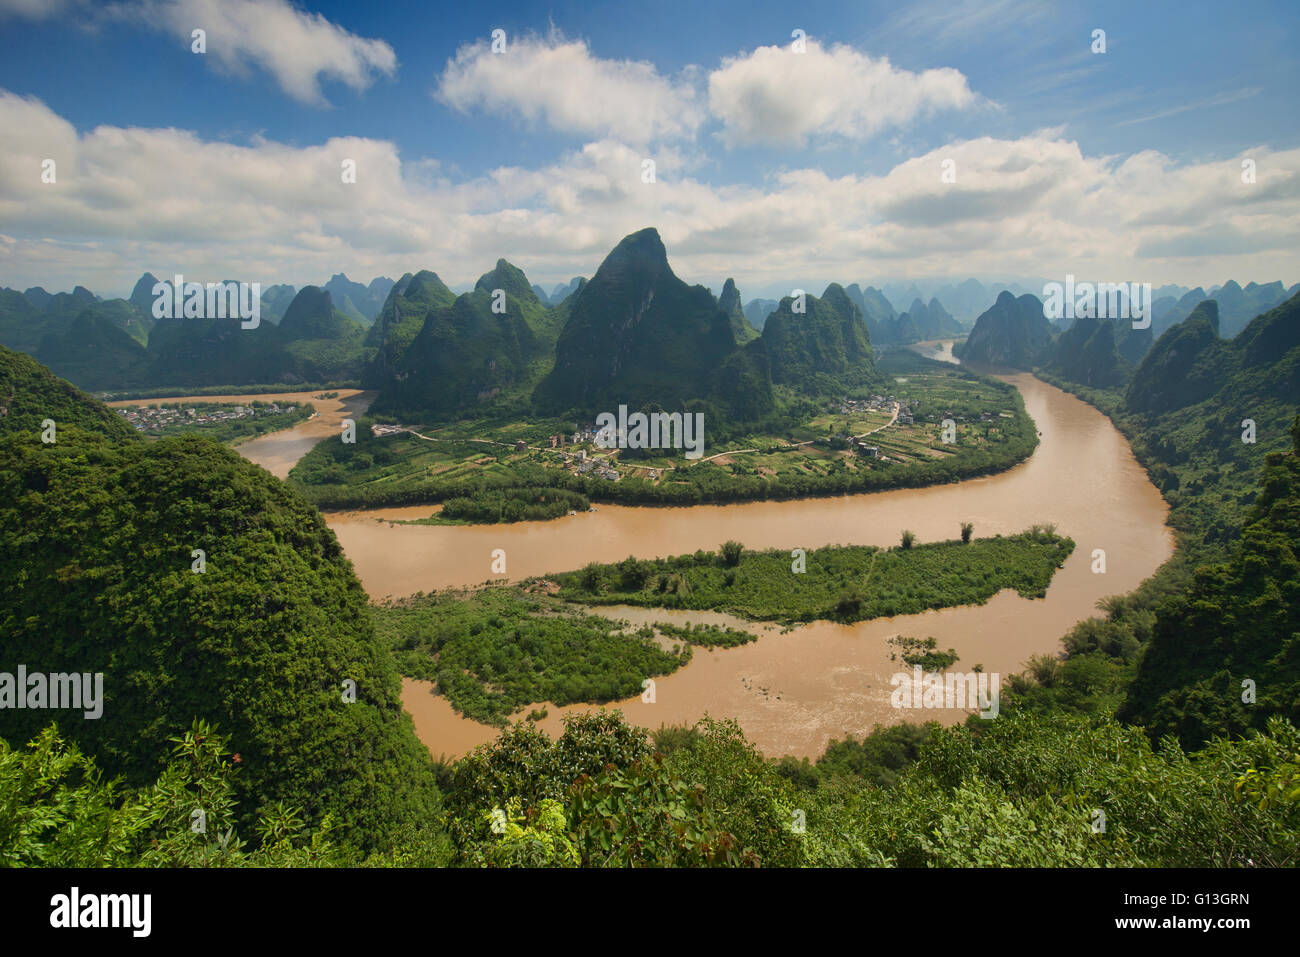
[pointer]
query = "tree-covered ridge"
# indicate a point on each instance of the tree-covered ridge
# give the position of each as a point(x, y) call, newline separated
point(841, 583)
point(1210, 420)
point(262, 634)
point(117, 344)
point(1101, 353)
point(489, 345)
point(31, 393)
point(824, 349)
point(1225, 657)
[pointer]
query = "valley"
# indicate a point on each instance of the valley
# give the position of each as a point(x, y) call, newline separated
point(834, 677)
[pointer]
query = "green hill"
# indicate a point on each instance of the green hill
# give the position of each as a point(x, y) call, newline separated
point(825, 349)
point(467, 353)
point(636, 334)
point(1099, 353)
point(96, 560)
point(1237, 628)
point(400, 321)
point(1011, 332)
point(31, 393)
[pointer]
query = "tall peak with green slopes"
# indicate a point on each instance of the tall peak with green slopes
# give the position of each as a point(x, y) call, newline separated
point(1011, 332)
point(637, 334)
point(729, 302)
point(478, 349)
point(312, 315)
point(827, 347)
point(400, 321)
point(1185, 365)
point(511, 279)
point(142, 293)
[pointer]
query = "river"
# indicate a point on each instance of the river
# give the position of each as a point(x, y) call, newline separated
point(792, 691)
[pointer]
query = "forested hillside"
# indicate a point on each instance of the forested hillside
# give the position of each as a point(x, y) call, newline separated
point(201, 588)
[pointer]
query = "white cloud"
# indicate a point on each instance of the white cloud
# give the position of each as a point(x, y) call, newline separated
point(559, 82)
point(131, 199)
point(297, 48)
point(776, 96)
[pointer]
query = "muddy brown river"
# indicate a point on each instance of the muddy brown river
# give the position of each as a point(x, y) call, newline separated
point(792, 691)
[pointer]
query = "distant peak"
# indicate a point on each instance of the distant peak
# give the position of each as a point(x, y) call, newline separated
point(644, 242)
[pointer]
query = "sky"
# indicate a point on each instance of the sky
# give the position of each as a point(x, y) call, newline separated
point(854, 142)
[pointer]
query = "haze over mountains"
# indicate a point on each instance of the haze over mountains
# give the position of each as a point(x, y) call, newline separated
point(634, 332)
point(1105, 352)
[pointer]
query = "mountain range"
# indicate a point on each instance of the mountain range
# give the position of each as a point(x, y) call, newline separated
point(634, 333)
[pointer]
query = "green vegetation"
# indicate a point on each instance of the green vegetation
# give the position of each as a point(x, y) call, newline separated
point(514, 505)
point(494, 651)
point(921, 651)
point(841, 583)
point(706, 636)
point(790, 456)
point(1225, 656)
point(1025, 790)
point(30, 394)
point(99, 570)
point(169, 392)
point(1183, 413)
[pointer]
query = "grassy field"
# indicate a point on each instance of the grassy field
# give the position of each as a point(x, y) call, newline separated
point(816, 454)
point(841, 583)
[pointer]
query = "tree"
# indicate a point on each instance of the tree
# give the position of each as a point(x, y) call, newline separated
point(909, 538)
point(731, 552)
point(966, 529)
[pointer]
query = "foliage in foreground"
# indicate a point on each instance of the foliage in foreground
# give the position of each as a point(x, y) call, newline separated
point(1021, 790)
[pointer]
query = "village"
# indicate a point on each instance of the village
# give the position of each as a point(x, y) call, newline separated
point(900, 426)
point(156, 419)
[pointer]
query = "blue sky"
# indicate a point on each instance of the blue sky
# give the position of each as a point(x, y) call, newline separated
point(769, 165)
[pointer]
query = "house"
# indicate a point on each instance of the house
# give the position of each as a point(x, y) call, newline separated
point(521, 445)
point(904, 420)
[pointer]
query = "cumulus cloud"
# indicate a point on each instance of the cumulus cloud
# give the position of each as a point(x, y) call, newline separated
point(129, 199)
point(295, 47)
point(777, 96)
point(560, 83)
